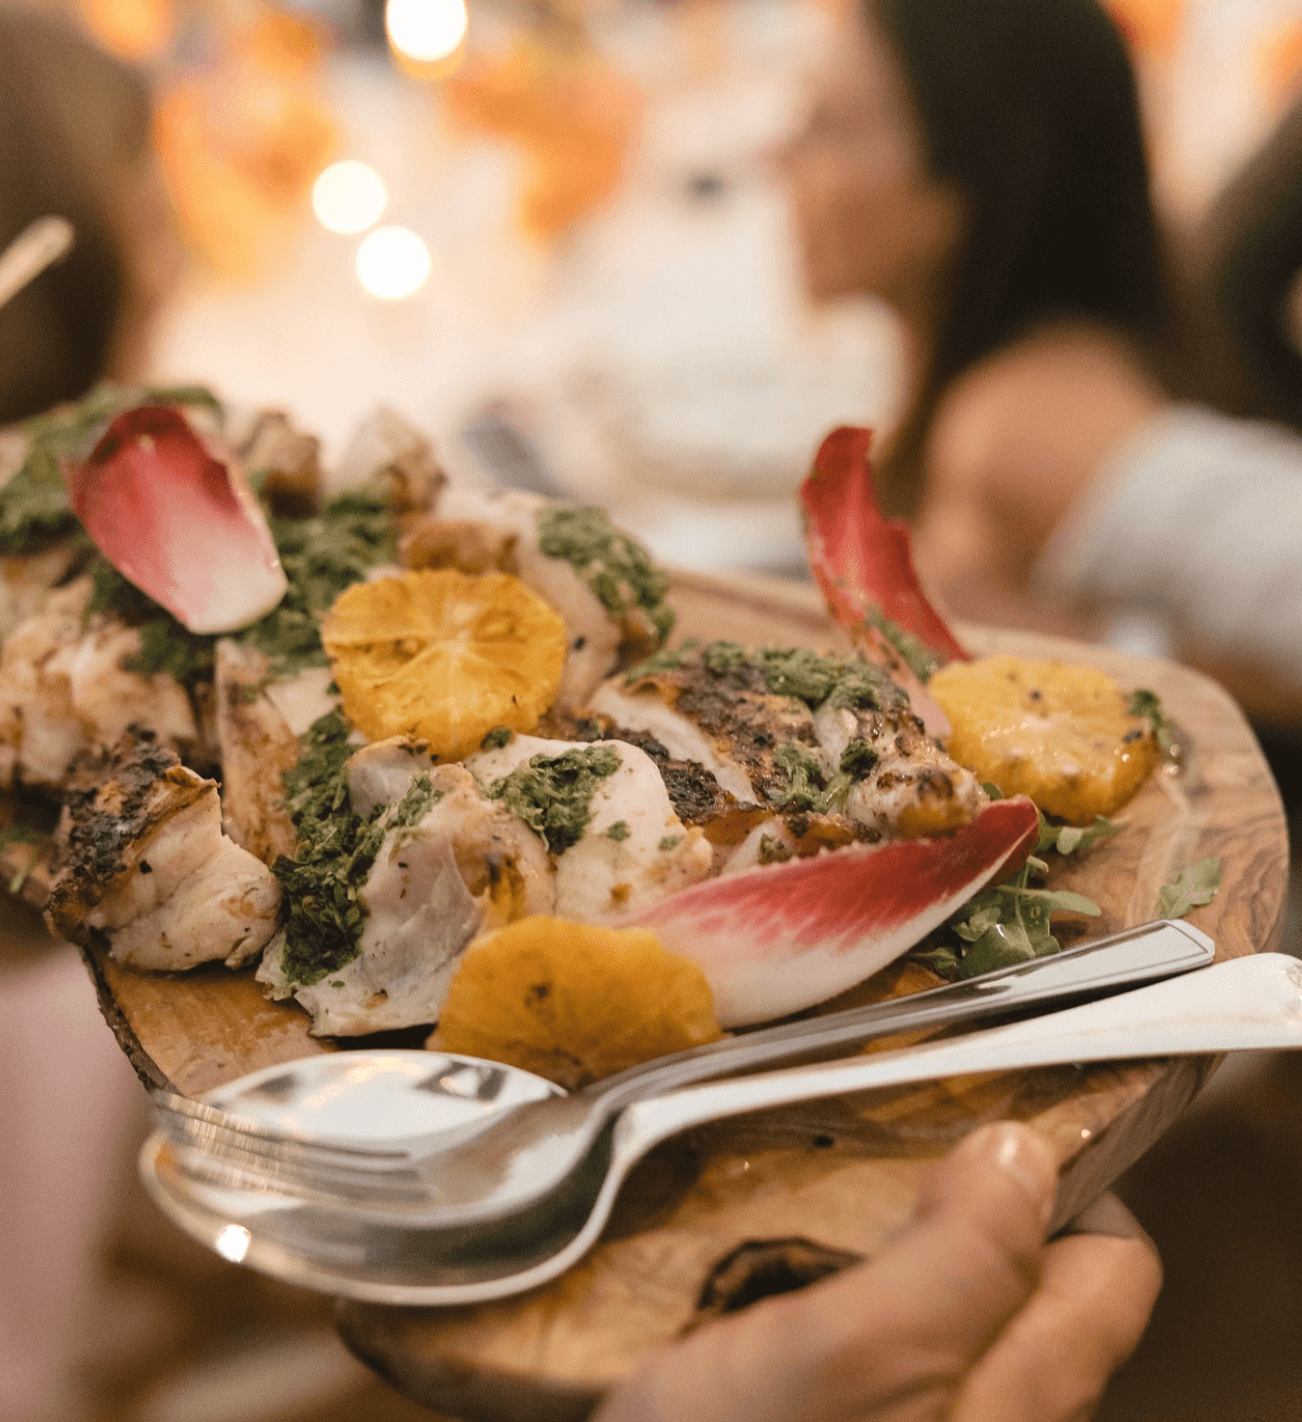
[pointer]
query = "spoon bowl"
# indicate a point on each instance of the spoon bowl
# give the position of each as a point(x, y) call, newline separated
point(379, 1256)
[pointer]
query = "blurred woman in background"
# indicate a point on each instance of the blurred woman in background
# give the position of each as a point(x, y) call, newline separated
point(979, 165)
point(74, 142)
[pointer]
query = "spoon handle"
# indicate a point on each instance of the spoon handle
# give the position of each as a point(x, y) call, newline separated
point(1151, 951)
point(1251, 1002)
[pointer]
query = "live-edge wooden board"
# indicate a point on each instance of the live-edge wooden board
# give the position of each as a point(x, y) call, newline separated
point(731, 1211)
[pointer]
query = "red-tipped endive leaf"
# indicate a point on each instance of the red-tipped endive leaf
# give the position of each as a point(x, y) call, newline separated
point(861, 559)
point(178, 522)
point(778, 939)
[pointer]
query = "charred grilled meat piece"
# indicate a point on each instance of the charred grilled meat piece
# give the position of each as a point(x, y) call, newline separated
point(141, 857)
point(909, 786)
point(828, 744)
point(284, 463)
point(388, 454)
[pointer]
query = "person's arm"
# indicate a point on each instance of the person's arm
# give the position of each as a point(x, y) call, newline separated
point(1252, 252)
point(964, 1316)
point(1197, 519)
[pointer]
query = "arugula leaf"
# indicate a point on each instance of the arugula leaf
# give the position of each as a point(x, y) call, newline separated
point(940, 958)
point(1191, 888)
point(1070, 839)
point(1148, 705)
point(1010, 923)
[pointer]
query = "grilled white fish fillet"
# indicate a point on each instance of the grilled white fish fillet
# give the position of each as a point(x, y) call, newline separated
point(466, 866)
point(63, 690)
point(141, 858)
point(633, 851)
point(727, 720)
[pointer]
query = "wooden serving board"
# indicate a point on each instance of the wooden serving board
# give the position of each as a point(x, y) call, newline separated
point(716, 1218)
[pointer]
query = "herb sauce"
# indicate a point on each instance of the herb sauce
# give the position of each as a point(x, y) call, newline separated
point(815, 678)
point(553, 794)
point(618, 570)
point(337, 848)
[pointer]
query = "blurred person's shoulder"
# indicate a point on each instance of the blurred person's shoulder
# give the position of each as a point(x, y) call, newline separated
point(1028, 426)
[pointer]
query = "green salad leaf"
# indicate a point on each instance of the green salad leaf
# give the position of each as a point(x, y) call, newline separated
point(1191, 888)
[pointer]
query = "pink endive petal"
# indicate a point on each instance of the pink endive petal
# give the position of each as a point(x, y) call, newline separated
point(860, 559)
point(178, 522)
point(779, 939)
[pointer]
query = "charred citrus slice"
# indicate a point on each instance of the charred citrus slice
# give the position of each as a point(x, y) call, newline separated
point(444, 656)
point(1061, 734)
point(574, 1002)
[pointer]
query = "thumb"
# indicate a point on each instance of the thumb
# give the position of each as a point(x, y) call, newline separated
point(891, 1339)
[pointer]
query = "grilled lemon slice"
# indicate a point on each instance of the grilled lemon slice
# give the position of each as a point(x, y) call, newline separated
point(444, 656)
point(1061, 734)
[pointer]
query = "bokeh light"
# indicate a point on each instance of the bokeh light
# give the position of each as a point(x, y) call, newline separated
point(233, 1242)
point(426, 30)
point(348, 197)
point(392, 263)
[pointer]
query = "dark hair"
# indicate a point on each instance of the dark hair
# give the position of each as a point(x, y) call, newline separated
point(1029, 108)
point(72, 120)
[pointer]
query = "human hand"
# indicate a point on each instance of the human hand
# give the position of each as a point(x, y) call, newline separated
point(966, 1315)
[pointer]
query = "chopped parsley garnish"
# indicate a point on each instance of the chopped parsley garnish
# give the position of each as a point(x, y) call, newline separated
point(498, 737)
point(619, 831)
point(165, 645)
point(336, 851)
point(915, 652)
point(813, 677)
point(858, 759)
point(670, 841)
point(553, 794)
point(666, 659)
point(321, 555)
point(618, 570)
point(773, 851)
point(806, 787)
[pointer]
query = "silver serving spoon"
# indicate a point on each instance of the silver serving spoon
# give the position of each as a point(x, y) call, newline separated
point(39, 245)
point(1253, 1002)
point(434, 1138)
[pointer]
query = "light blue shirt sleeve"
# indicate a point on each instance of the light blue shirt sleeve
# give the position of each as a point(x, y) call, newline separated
point(1197, 522)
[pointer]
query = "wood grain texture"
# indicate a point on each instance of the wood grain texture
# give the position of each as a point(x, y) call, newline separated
point(839, 1175)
